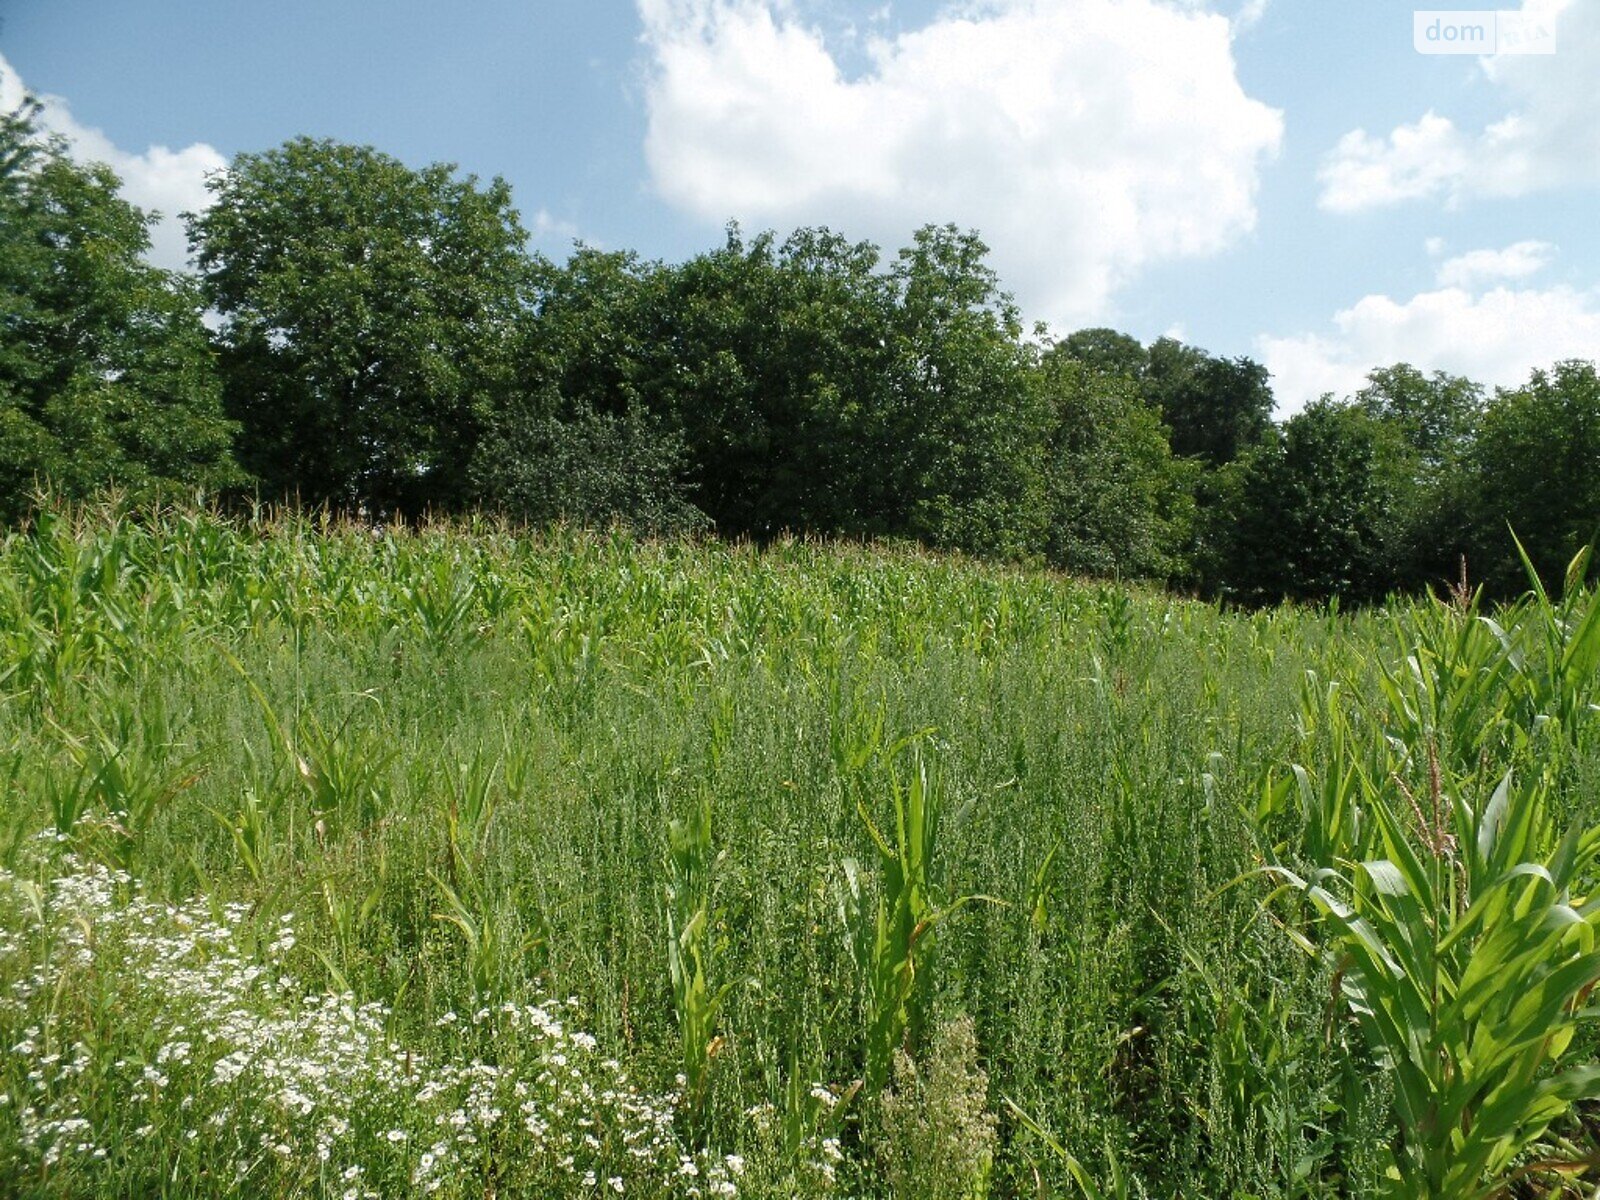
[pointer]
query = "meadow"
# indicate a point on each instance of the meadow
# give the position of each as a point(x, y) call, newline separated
point(459, 862)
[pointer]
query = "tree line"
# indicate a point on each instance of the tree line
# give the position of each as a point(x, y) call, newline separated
point(372, 338)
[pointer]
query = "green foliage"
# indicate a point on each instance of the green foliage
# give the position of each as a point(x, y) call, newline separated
point(1534, 471)
point(386, 344)
point(455, 754)
point(1310, 515)
point(775, 361)
point(1455, 910)
point(938, 1131)
point(1119, 1186)
point(106, 375)
point(592, 335)
point(1107, 352)
point(895, 939)
point(1216, 408)
point(594, 469)
point(589, 438)
point(782, 387)
point(1436, 415)
point(1117, 502)
point(692, 954)
point(1430, 425)
point(369, 312)
point(1467, 976)
point(966, 430)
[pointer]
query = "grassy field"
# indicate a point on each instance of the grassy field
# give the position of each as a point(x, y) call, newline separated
point(353, 863)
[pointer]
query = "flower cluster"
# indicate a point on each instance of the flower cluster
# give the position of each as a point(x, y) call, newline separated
point(183, 1035)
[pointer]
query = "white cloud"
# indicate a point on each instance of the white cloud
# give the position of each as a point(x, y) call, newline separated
point(1516, 261)
point(1084, 139)
point(160, 179)
point(1496, 337)
point(1412, 162)
point(547, 226)
point(1548, 137)
point(1250, 13)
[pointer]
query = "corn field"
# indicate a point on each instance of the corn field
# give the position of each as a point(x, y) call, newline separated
point(348, 862)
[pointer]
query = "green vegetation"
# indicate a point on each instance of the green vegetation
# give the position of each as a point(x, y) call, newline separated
point(106, 372)
point(372, 339)
point(368, 316)
point(448, 861)
point(411, 840)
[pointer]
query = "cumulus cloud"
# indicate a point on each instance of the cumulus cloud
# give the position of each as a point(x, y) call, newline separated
point(1516, 261)
point(1496, 336)
point(1250, 13)
point(1412, 162)
point(1547, 137)
point(1085, 139)
point(160, 179)
point(546, 226)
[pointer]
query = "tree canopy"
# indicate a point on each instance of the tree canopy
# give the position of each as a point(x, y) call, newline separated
point(368, 316)
point(382, 341)
point(1536, 474)
point(1216, 408)
point(106, 371)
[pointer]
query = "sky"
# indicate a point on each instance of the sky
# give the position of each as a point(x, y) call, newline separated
point(1285, 179)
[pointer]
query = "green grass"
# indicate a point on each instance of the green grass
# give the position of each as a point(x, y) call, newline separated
point(407, 817)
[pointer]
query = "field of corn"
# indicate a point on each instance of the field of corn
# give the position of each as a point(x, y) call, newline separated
point(349, 862)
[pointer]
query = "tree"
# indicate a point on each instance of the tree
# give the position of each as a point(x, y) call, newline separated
point(369, 317)
point(965, 428)
point(1215, 407)
point(1116, 501)
point(774, 361)
point(1170, 370)
point(1107, 352)
point(106, 375)
point(1536, 470)
point(585, 467)
point(591, 338)
point(1309, 511)
point(577, 440)
point(1436, 414)
point(1429, 425)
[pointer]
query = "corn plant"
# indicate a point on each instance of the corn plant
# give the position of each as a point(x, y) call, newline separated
point(470, 910)
point(441, 601)
point(1473, 684)
point(472, 797)
point(117, 785)
point(691, 954)
point(812, 1113)
point(342, 775)
point(349, 921)
point(248, 830)
point(1119, 1186)
point(1458, 927)
point(1450, 687)
point(1555, 651)
point(1468, 963)
point(1330, 818)
point(471, 906)
point(894, 940)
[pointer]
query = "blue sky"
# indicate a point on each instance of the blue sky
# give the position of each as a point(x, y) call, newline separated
point(1287, 179)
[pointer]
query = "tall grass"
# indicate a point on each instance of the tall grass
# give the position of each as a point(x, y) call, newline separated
point(697, 820)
